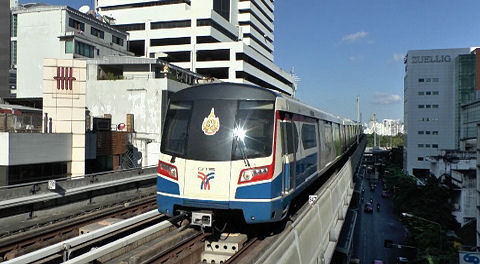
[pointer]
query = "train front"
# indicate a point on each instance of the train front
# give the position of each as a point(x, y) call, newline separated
point(218, 154)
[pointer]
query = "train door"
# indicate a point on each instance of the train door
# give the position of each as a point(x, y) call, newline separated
point(289, 145)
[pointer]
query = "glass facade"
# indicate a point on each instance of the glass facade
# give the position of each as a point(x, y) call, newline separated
point(14, 26)
point(464, 90)
point(14, 53)
point(470, 119)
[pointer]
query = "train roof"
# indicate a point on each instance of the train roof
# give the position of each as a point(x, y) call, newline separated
point(235, 91)
point(225, 91)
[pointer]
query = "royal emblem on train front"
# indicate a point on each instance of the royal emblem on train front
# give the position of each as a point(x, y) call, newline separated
point(211, 124)
point(205, 175)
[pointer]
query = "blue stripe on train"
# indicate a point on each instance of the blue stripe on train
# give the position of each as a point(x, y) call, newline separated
point(266, 190)
point(166, 186)
point(253, 212)
point(305, 167)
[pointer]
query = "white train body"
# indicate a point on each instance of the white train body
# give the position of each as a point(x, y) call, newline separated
point(239, 147)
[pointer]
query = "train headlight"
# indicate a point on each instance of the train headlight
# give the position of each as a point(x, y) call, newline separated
point(247, 175)
point(255, 174)
point(167, 170)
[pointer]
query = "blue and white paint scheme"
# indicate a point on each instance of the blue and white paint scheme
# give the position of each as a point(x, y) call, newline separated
point(258, 150)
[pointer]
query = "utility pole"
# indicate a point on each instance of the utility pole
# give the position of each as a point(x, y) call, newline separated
point(358, 116)
point(374, 132)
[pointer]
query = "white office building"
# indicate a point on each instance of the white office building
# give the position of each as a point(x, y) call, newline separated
point(231, 40)
point(430, 105)
point(44, 31)
point(386, 127)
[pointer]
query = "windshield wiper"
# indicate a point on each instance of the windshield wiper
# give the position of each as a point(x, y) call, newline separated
point(242, 151)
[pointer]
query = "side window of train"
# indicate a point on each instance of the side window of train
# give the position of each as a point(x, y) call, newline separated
point(290, 144)
point(309, 139)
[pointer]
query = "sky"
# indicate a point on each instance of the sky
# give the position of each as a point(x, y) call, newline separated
point(341, 49)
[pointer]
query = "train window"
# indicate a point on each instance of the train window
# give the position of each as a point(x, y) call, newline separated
point(176, 128)
point(256, 119)
point(309, 138)
point(291, 144)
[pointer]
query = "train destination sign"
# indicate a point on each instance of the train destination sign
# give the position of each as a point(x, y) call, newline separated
point(431, 59)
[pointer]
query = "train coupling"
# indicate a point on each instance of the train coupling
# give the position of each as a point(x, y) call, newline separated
point(202, 218)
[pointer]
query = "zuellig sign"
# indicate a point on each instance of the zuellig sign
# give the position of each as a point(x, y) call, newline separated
point(431, 59)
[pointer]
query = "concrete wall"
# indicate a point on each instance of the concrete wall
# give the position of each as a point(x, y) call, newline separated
point(67, 107)
point(46, 26)
point(144, 98)
point(4, 150)
point(32, 148)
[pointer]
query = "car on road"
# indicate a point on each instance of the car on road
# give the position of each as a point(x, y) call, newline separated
point(376, 261)
point(385, 194)
point(402, 260)
point(368, 208)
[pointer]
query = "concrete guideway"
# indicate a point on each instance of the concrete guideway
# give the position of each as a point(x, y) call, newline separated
point(65, 246)
point(313, 236)
point(34, 204)
point(23, 194)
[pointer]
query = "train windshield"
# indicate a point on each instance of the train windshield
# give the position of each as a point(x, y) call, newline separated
point(219, 130)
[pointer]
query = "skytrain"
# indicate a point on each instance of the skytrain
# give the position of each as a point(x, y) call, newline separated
point(236, 147)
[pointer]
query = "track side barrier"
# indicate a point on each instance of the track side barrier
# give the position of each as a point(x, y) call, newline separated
point(313, 236)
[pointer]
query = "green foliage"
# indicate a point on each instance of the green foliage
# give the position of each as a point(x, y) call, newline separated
point(386, 141)
point(111, 76)
point(429, 200)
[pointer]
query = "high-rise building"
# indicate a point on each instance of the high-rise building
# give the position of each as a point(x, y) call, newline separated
point(434, 88)
point(231, 40)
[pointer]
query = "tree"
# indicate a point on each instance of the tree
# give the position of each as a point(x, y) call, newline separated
point(429, 200)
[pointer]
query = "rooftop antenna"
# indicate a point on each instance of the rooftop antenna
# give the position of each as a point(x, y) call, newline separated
point(84, 9)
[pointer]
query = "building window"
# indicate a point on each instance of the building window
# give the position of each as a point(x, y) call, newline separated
point(434, 132)
point(222, 7)
point(420, 93)
point(427, 145)
point(428, 93)
point(309, 136)
point(435, 106)
point(427, 106)
point(435, 79)
point(434, 145)
point(420, 158)
point(427, 132)
point(76, 24)
point(69, 46)
point(117, 40)
point(420, 145)
point(421, 80)
point(14, 26)
point(420, 132)
point(428, 80)
point(421, 106)
point(435, 92)
point(14, 53)
point(97, 33)
point(171, 24)
point(131, 27)
point(84, 49)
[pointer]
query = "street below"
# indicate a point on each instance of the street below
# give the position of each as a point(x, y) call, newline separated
point(373, 228)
